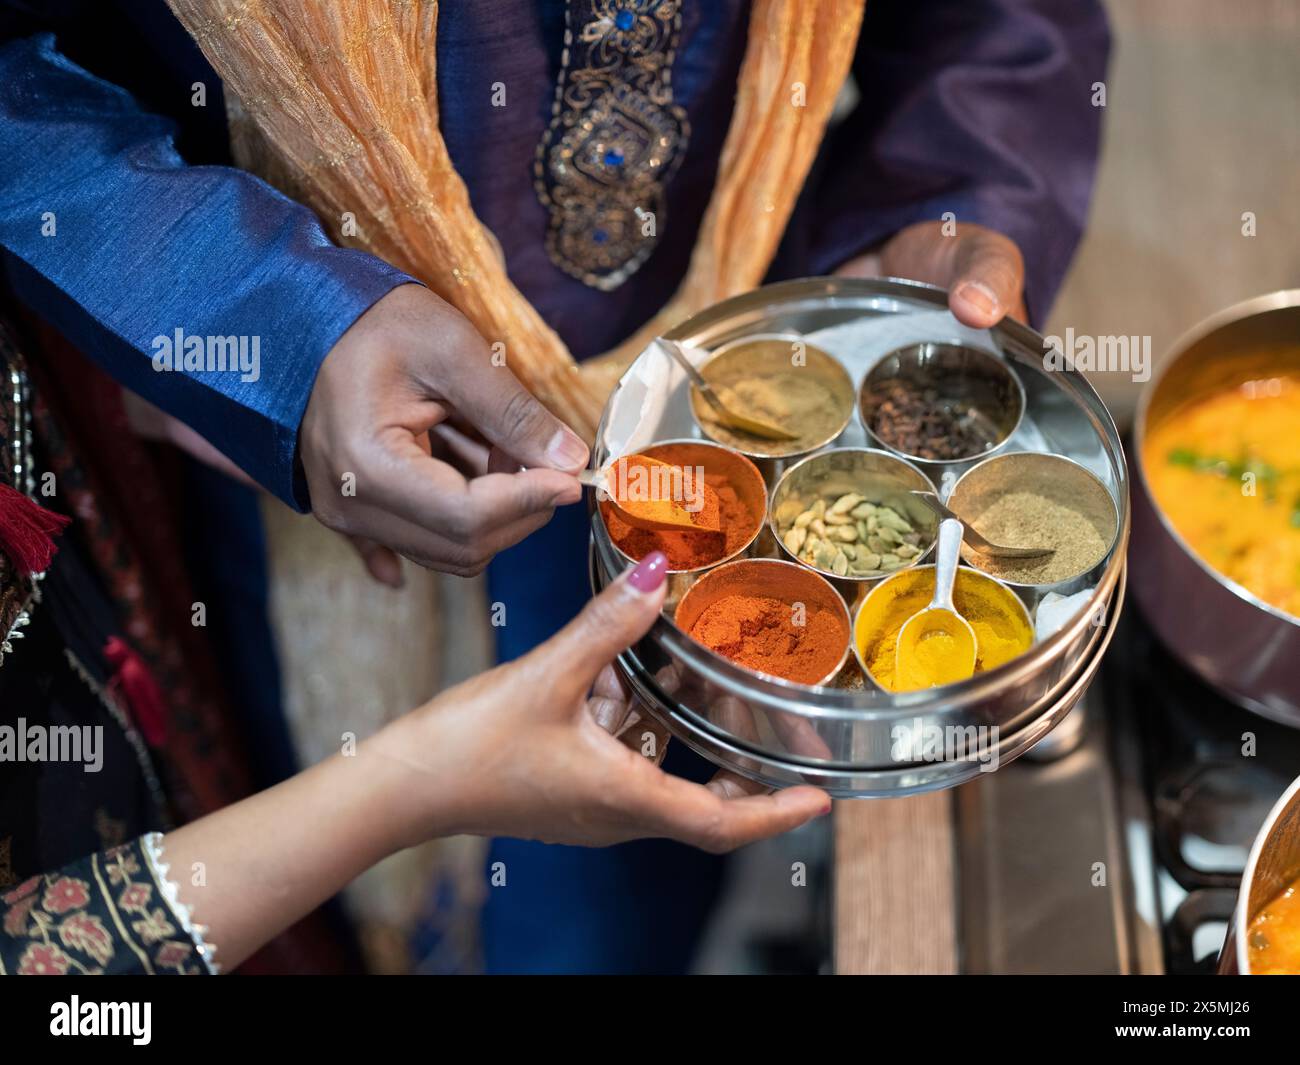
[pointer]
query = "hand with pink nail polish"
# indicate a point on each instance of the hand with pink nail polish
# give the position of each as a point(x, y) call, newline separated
point(414, 437)
point(982, 270)
point(526, 750)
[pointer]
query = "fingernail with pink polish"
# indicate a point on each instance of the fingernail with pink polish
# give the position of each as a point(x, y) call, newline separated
point(979, 296)
point(649, 573)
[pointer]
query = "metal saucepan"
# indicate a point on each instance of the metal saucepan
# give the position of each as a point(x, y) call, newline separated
point(1274, 864)
point(1241, 645)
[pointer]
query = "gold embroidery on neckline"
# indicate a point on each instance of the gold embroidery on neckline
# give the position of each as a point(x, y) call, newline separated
point(614, 140)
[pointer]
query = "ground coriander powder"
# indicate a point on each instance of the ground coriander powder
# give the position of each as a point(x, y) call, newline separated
point(1028, 519)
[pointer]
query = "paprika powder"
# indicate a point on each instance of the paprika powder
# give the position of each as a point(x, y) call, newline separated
point(742, 506)
point(802, 642)
point(650, 494)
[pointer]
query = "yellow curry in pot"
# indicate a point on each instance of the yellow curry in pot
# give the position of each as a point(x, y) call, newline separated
point(1274, 936)
point(1225, 471)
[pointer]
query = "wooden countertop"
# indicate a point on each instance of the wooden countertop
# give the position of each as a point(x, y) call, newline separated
point(895, 892)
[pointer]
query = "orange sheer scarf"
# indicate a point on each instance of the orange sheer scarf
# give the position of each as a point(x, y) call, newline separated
point(336, 104)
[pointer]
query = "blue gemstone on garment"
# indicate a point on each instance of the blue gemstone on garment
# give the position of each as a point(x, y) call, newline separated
point(613, 157)
point(600, 236)
point(624, 20)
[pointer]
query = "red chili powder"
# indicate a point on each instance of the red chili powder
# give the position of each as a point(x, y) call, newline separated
point(689, 550)
point(759, 633)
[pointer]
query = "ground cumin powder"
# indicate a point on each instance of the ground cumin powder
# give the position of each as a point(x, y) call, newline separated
point(760, 633)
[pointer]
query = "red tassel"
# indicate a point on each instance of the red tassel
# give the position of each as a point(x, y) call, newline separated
point(134, 685)
point(27, 531)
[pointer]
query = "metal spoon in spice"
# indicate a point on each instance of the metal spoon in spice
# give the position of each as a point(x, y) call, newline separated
point(937, 645)
point(650, 494)
point(724, 402)
point(975, 540)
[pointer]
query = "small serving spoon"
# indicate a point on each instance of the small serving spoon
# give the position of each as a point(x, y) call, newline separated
point(975, 540)
point(940, 617)
point(726, 405)
point(650, 513)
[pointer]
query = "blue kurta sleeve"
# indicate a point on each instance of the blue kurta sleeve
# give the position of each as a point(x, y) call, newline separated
point(199, 287)
point(985, 108)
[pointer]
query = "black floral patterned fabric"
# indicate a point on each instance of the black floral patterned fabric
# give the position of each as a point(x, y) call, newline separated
point(105, 913)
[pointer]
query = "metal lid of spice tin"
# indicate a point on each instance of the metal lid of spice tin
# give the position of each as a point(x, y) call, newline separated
point(842, 736)
point(741, 750)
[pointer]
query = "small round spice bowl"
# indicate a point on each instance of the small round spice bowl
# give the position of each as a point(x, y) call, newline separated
point(1034, 499)
point(771, 617)
point(784, 380)
point(1001, 622)
point(849, 513)
point(742, 496)
point(941, 405)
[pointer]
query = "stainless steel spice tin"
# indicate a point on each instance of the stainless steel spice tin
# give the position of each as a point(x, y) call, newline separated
point(846, 736)
point(739, 473)
point(787, 582)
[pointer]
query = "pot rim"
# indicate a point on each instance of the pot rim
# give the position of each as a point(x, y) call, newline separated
point(1242, 918)
point(1249, 308)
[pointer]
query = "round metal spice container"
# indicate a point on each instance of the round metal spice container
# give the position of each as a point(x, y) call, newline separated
point(1028, 499)
point(742, 499)
point(849, 513)
point(842, 734)
point(941, 404)
point(772, 617)
point(1002, 625)
point(787, 382)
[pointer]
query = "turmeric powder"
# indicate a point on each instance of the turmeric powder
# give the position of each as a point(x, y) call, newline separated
point(935, 659)
point(995, 614)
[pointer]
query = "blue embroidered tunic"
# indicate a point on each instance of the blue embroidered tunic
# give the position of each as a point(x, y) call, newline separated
point(121, 221)
point(979, 107)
